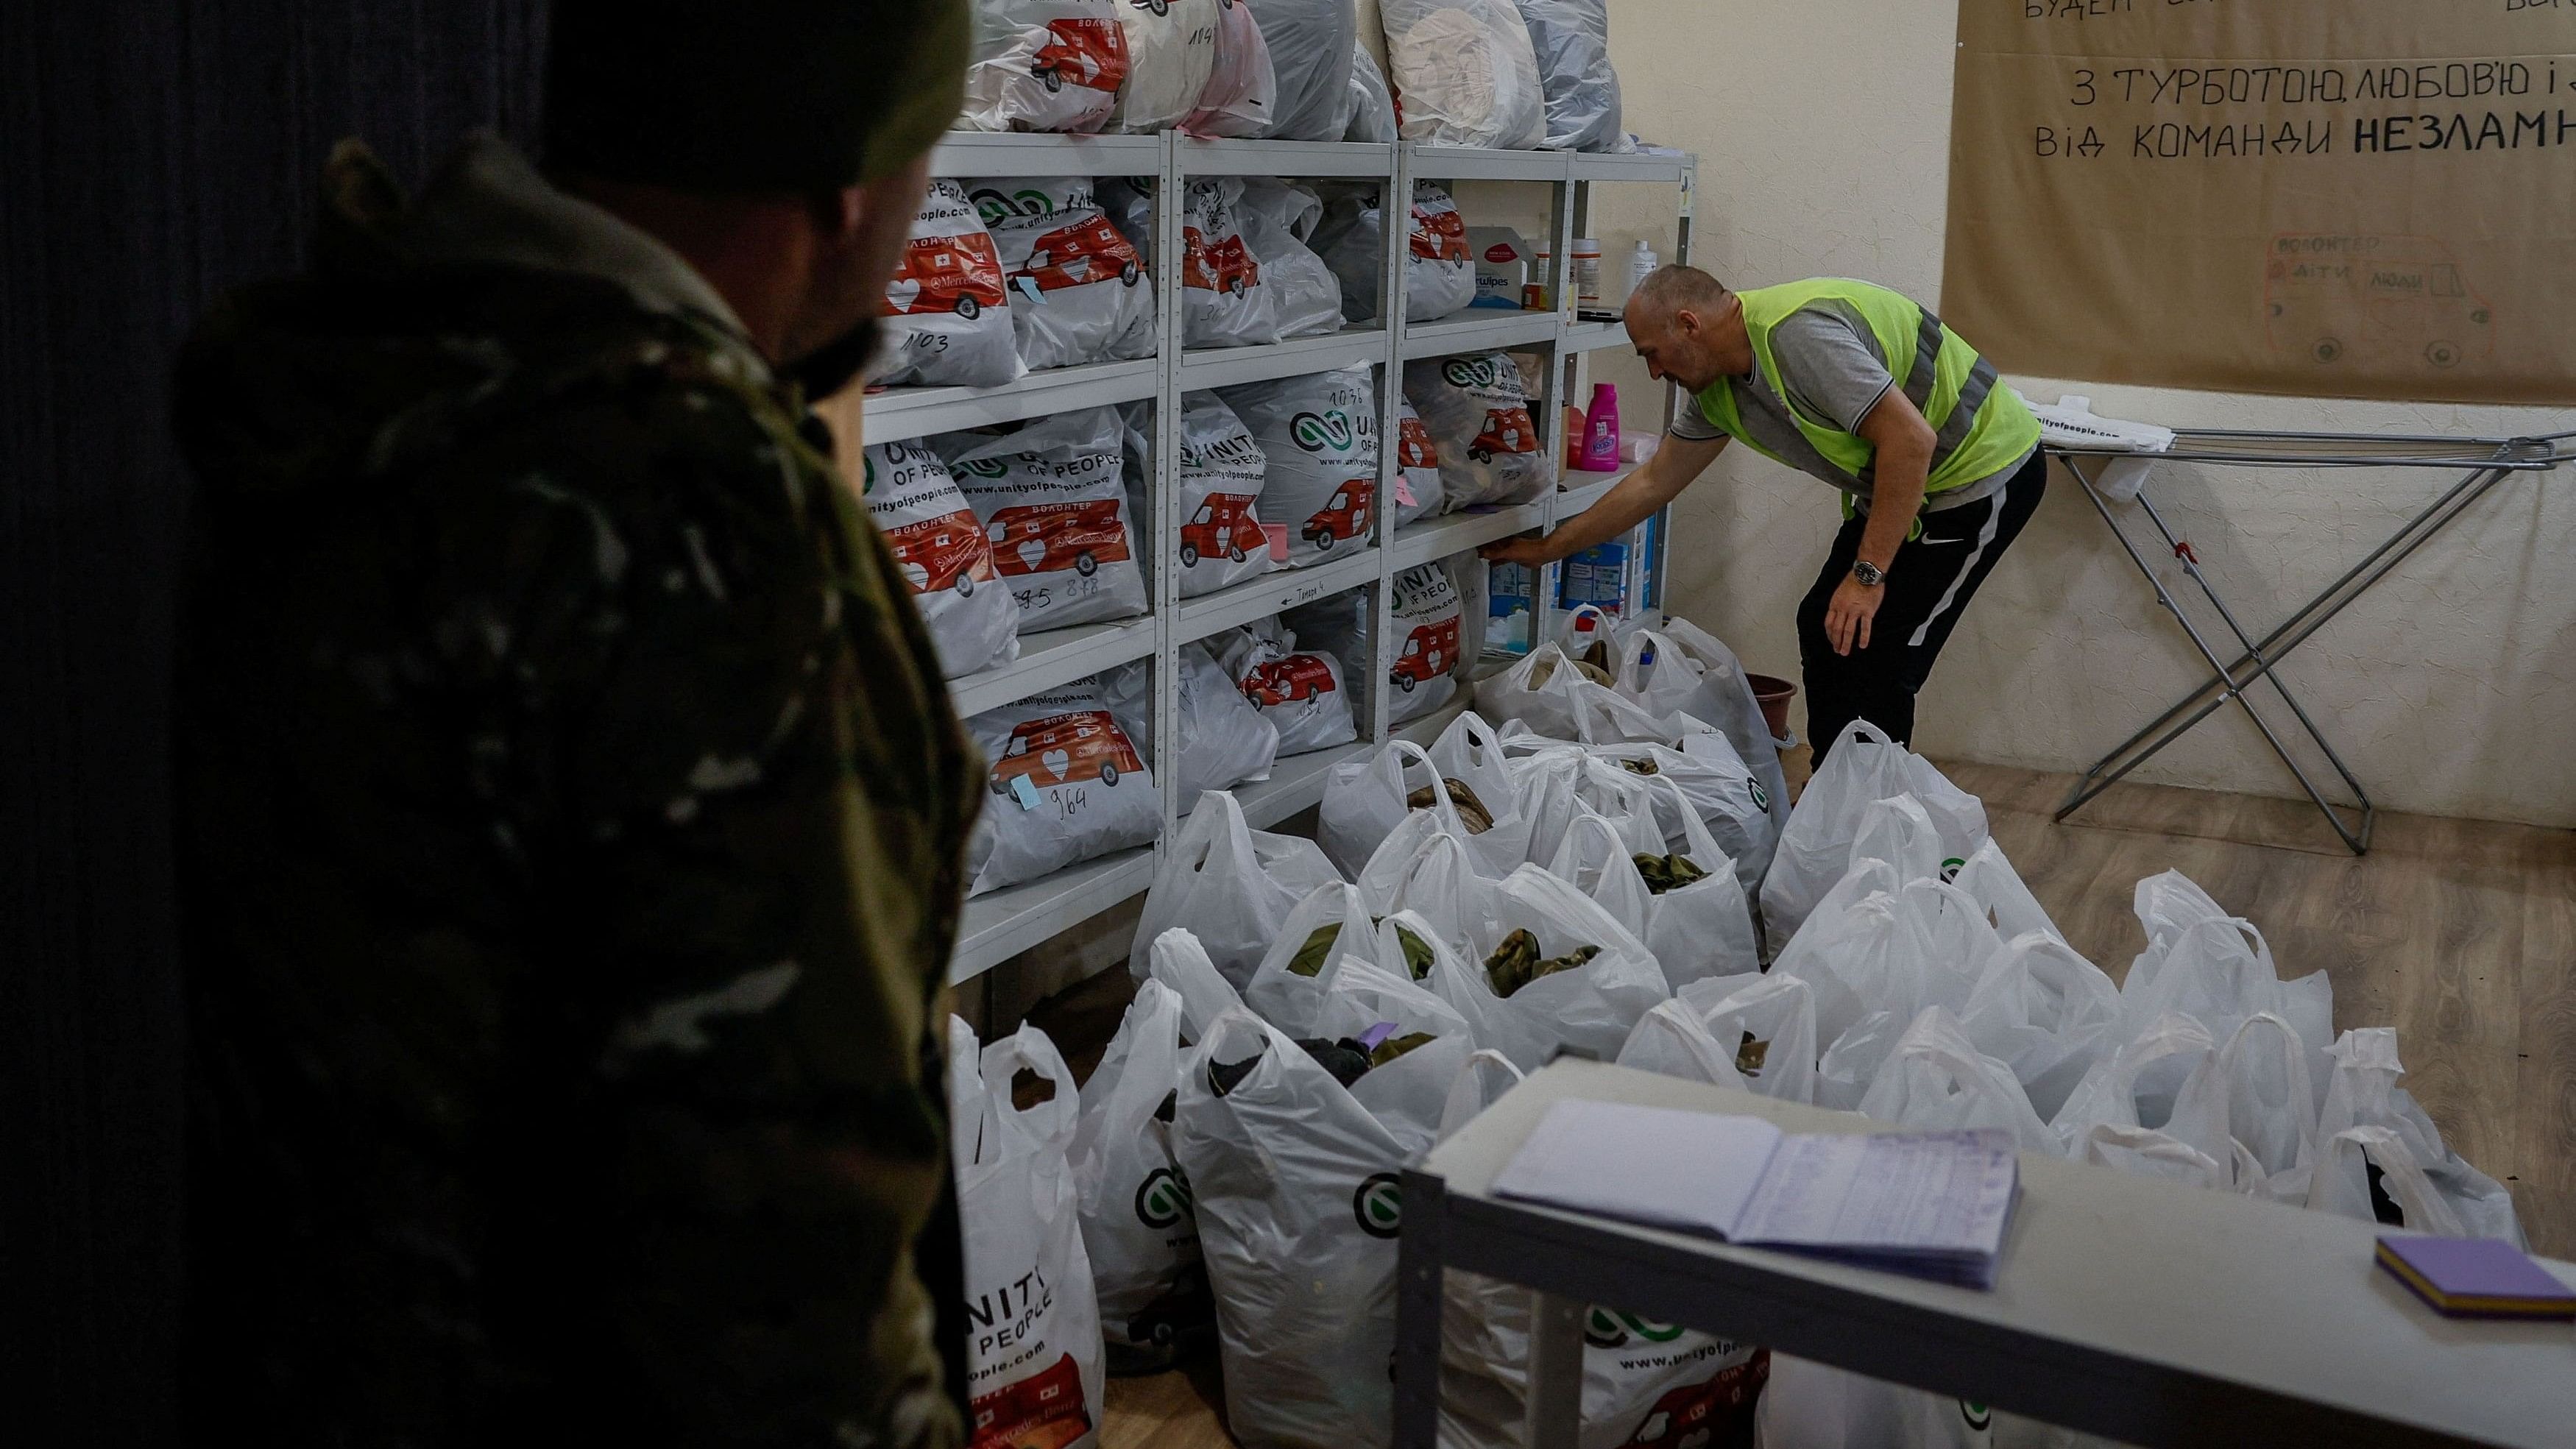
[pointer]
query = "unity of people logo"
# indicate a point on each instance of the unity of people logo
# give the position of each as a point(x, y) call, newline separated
point(1162, 1197)
point(1322, 432)
point(1379, 1205)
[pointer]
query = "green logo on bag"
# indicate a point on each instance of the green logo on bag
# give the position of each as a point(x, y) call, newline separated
point(1471, 372)
point(1979, 1417)
point(1950, 868)
point(1162, 1197)
point(1607, 1328)
point(985, 467)
point(1761, 797)
point(1317, 432)
point(1379, 1205)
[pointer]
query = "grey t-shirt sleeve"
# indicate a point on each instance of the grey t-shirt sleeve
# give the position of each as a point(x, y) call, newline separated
point(1692, 425)
point(1830, 367)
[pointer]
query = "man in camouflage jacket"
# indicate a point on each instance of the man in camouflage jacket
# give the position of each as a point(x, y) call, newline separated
point(571, 805)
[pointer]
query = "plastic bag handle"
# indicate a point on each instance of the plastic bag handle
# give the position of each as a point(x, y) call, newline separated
point(1592, 825)
point(1051, 1122)
point(1441, 806)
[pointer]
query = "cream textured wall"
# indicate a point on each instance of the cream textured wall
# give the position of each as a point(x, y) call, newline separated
point(1823, 136)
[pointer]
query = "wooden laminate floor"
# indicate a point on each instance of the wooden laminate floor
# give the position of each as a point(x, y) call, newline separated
point(2461, 934)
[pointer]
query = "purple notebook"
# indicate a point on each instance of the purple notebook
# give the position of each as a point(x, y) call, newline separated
point(2476, 1277)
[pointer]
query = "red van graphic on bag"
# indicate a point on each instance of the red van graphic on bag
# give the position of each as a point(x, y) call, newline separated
point(960, 274)
point(1046, 538)
point(1344, 515)
point(1226, 266)
point(1428, 653)
point(1087, 53)
point(1507, 430)
point(1439, 236)
point(1064, 748)
point(1044, 1411)
point(1090, 250)
point(1223, 527)
point(948, 552)
point(1717, 1414)
point(1287, 681)
point(1413, 445)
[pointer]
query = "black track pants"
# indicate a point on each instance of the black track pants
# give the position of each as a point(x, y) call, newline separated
point(1928, 586)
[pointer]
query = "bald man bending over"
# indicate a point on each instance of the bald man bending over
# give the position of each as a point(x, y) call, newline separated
point(1864, 389)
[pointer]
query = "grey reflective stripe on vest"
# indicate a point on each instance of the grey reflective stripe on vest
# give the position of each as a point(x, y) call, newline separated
point(1962, 420)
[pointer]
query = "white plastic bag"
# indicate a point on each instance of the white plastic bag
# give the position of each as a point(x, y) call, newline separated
point(1229, 885)
point(1695, 931)
point(1767, 1025)
point(1276, 217)
point(1571, 41)
point(1418, 492)
point(1464, 73)
point(1079, 290)
point(1739, 716)
point(2047, 1013)
point(1053, 500)
point(1302, 692)
point(1372, 107)
point(2398, 1194)
point(1136, 1220)
point(2363, 1091)
point(1068, 784)
point(1439, 275)
point(2145, 1152)
point(948, 317)
point(1225, 291)
point(1937, 1081)
point(1425, 867)
point(1590, 1008)
point(1224, 741)
point(946, 560)
point(1242, 92)
point(2136, 1085)
point(2219, 972)
point(1222, 473)
point(1171, 52)
point(1289, 992)
point(1319, 437)
point(1044, 65)
point(1989, 876)
point(1308, 39)
point(1295, 1185)
point(1364, 800)
point(1816, 847)
point(1361, 1002)
point(1033, 1345)
point(1429, 638)
point(1480, 422)
point(2249, 1105)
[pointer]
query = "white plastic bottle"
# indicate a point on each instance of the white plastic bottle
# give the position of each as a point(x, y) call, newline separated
point(1587, 274)
point(1641, 262)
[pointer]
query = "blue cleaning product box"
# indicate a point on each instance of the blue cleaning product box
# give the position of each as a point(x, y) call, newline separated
point(1594, 576)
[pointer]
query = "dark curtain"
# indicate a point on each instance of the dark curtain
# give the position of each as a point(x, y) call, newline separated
point(151, 155)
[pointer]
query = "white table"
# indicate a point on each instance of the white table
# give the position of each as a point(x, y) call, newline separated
point(2143, 1310)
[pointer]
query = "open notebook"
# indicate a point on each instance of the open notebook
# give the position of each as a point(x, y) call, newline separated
point(1932, 1204)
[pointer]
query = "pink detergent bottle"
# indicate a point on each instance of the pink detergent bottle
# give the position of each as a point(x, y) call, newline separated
point(1601, 430)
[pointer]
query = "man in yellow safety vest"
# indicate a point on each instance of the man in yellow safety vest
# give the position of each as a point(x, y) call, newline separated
point(1864, 389)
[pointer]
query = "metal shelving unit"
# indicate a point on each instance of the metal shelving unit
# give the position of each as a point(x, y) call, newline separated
point(999, 925)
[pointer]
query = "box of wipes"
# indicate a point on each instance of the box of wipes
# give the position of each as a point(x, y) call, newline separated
point(1502, 265)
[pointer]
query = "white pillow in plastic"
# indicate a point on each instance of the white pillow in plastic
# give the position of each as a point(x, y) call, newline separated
point(946, 561)
point(1571, 39)
point(948, 319)
point(1308, 39)
point(1079, 291)
point(1464, 73)
point(1068, 784)
point(1303, 692)
point(1044, 65)
point(1277, 217)
point(1242, 90)
point(1053, 500)
point(1171, 52)
point(1480, 421)
point(1319, 436)
point(1439, 275)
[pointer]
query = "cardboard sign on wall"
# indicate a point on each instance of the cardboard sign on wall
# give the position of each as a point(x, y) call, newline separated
point(2340, 198)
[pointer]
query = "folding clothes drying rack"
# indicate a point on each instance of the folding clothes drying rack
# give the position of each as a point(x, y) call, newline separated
point(2488, 461)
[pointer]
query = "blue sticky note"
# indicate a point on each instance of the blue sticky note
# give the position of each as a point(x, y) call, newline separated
point(1028, 287)
point(1024, 792)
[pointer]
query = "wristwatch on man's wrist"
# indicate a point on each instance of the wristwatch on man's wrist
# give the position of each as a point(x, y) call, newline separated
point(1869, 574)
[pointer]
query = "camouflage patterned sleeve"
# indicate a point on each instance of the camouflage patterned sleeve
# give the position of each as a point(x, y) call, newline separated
point(741, 798)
